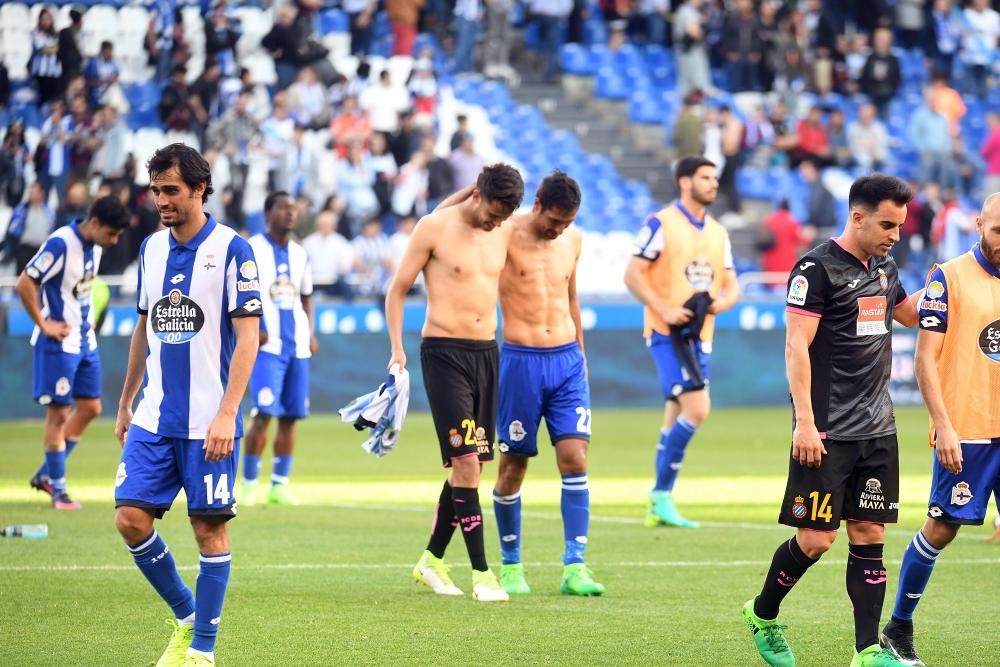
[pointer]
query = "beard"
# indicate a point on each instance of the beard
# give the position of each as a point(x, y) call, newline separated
point(992, 255)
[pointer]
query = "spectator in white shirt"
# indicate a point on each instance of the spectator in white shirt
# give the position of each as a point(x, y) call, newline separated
point(979, 47)
point(331, 256)
point(867, 139)
point(375, 264)
point(383, 102)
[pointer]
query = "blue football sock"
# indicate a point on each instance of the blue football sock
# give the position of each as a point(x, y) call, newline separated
point(57, 470)
point(914, 573)
point(575, 507)
point(213, 578)
point(157, 564)
point(282, 469)
point(43, 470)
point(661, 462)
point(676, 442)
point(251, 467)
point(508, 514)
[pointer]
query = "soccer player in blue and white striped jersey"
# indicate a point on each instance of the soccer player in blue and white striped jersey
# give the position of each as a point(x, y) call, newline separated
point(55, 289)
point(195, 344)
point(280, 380)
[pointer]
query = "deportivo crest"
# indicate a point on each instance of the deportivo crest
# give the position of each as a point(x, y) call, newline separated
point(960, 494)
point(700, 274)
point(989, 340)
point(797, 291)
point(517, 431)
point(62, 386)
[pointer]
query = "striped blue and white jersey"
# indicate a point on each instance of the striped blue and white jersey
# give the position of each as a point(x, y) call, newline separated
point(65, 267)
point(285, 277)
point(190, 294)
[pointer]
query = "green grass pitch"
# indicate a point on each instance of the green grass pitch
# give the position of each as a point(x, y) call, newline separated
point(329, 583)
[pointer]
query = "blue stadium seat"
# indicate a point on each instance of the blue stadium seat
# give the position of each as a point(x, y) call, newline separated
point(576, 59)
point(610, 85)
point(144, 99)
point(333, 20)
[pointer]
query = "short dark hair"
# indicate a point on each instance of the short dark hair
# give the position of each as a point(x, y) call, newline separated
point(106, 45)
point(869, 191)
point(109, 212)
point(501, 183)
point(273, 198)
point(193, 168)
point(689, 164)
point(558, 192)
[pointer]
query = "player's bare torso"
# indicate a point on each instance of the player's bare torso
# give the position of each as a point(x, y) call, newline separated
point(461, 277)
point(535, 286)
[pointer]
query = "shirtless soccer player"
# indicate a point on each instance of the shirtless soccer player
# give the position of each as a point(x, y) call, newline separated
point(461, 249)
point(543, 374)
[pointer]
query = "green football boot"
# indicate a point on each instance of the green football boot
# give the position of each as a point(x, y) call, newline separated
point(249, 493)
point(661, 511)
point(198, 660)
point(486, 588)
point(432, 572)
point(512, 579)
point(180, 641)
point(876, 656)
point(279, 495)
point(578, 580)
point(769, 637)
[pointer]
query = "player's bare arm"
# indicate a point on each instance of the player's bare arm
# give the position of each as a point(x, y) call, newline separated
point(949, 450)
point(456, 198)
point(307, 305)
point(574, 298)
point(729, 294)
point(638, 283)
point(415, 258)
point(807, 447)
point(906, 314)
point(222, 431)
point(133, 378)
point(29, 292)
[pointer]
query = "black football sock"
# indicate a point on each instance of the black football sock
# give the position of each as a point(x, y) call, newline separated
point(444, 523)
point(866, 578)
point(470, 518)
point(787, 567)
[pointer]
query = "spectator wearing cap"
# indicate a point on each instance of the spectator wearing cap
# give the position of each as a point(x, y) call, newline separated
point(101, 73)
point(69, 47)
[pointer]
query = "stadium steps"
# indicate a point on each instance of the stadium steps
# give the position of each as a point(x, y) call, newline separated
point(597, 135)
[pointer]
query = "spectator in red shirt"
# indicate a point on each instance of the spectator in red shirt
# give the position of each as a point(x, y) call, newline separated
point(814, 140)
point(991, 153)
point(781, 239)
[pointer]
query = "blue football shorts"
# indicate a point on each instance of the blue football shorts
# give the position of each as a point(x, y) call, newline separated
point(964, 498)
point(154, 468)
point(674, 379)
point(279, 386)
point(541, 382)
point(62, 376)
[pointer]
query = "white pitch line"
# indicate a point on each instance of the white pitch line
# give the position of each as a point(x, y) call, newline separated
point(407, 566)
point(629, 520)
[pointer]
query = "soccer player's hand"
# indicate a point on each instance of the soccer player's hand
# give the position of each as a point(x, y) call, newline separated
point(676, 316)
point(122, 422)
point(54, 329)
point(397, 358)
point(313, 344)
point(807, 447)
point(949, 450)
point(219, 438)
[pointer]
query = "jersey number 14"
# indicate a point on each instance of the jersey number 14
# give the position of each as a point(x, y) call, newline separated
point(221, 491)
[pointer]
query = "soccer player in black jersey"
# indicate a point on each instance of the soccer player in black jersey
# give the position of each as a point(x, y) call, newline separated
point(842, 299)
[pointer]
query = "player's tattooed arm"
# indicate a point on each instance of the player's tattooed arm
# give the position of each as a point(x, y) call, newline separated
point(949, 450)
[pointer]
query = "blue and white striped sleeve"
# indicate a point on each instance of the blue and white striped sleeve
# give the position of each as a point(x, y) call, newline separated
point(649, 241)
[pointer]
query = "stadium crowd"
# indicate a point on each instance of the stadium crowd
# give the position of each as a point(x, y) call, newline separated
point(841, 85)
